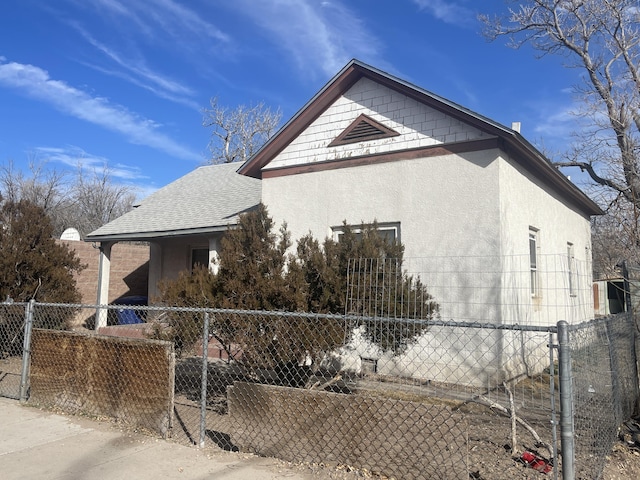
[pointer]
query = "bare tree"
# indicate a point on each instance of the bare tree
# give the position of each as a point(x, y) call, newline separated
point(97, 199)
point(236, 134)
point(42, 186)
point(86, 200)
point(602, 39)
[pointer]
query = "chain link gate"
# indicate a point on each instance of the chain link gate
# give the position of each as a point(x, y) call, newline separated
point(12, 327)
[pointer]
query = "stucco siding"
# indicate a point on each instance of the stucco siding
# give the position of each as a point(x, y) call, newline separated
point(438, 202)
point(527, 203)
point(171, 256)
point(417, 124)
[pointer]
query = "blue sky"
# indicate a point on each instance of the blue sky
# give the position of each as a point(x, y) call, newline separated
point(122, 83)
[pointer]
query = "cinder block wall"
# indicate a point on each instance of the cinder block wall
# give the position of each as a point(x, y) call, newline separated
point(129, 270)
point(399, 438)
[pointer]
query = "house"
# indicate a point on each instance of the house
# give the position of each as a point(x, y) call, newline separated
point(491, 227)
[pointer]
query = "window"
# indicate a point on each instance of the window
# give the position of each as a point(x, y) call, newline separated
point(533, 260)
point(389, 231)
point(571, 268)
point(199, 256)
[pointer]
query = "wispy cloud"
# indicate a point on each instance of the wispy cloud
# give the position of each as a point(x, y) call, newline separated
point(141, 32)
point(36, 83)
point(558, 123)
point(156, 91)
point(137, 67)
point(158, 18)
point(136, 71)
point(324, 35)
point(77, 157)
point(452, 12)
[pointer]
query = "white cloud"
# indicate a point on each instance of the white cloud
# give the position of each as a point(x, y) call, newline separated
point(36, 83)
point(138, 67)
point(448, 11)
point(137, 73)
point(156, 91)
point(558, 123)
point(77, 157)
point(318, 35)
point(160, 17)
point(140, 33)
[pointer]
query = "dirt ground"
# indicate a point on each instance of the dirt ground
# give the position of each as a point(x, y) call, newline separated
point(624, 461)
point(623, 464)
point(489, 455)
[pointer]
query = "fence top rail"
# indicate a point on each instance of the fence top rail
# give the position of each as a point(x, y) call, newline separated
point(599, 321)
point(338, 317)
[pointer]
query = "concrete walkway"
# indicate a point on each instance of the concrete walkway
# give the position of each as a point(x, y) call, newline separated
point(36, 444)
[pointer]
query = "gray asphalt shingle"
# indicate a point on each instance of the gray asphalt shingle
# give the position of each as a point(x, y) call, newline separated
point(208, 199)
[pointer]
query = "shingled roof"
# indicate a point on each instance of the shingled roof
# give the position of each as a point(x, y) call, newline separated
point(208, 199)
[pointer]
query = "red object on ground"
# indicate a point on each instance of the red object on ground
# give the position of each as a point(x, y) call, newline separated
point(537, 463)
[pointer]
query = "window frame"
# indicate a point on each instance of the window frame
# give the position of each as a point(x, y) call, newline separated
point(534, 262)
point(338, 231)
point(571, 267)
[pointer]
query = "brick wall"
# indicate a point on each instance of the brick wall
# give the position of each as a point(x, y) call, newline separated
point(129, 270)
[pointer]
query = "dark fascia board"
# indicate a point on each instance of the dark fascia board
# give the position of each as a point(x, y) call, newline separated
point(339, 84)
point(146, 236)
point(522, 151)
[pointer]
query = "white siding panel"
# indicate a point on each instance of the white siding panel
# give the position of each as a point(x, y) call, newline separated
point(417, 124)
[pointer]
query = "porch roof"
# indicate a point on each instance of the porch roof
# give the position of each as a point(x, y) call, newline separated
point(208, 199)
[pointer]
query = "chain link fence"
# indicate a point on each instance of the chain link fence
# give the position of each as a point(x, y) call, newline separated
point(407, 396)
point(605, 387)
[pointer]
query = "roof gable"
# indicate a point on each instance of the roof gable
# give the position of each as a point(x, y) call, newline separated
point(275, 153)
point(397, 123)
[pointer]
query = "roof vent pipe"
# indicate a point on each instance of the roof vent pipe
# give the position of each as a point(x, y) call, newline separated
point(515, 126)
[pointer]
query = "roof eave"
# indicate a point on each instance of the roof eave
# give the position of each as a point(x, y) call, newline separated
point(517, 145)
point(311, 110)
point(147, 236)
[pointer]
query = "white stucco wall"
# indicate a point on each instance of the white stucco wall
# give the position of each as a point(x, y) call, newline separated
point(527, 202)
point(437, 201)
point(170, 256)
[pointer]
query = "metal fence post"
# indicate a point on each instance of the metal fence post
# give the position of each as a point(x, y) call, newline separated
point(566, 402)
point(552, 387)
point(203, 385)
point(26, 350)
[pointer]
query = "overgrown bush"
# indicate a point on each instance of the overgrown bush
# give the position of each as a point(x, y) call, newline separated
point(32, 266)
point(255, 272)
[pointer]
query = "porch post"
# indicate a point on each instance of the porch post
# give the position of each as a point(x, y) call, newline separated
point(104, 269)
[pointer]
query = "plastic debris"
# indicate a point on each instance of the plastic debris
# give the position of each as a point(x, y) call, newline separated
point(536, 462)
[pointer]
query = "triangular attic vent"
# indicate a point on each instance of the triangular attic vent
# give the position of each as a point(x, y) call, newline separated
point(361, 129)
